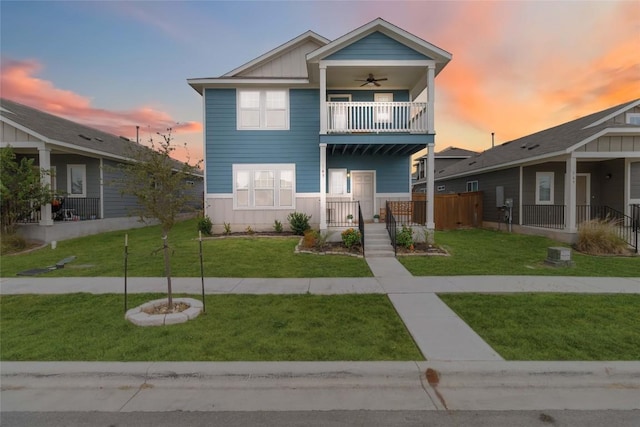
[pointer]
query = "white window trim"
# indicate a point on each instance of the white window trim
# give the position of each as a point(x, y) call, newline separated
point(632, 115)
point(344, 183)
point(83, 169)
point(472, 182)
point(262, 110)
point(551, 176)
point(276, 168)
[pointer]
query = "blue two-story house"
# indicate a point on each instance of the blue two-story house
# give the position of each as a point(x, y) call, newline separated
point(321, 127)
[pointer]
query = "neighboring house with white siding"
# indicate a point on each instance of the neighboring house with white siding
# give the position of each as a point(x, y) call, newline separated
point(82, 162)
point(319, 126)
point(559, 177)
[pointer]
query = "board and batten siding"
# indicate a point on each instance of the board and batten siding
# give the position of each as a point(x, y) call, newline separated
point(291, 64)
point(487, 183)
point(377, 46)
point(615, 143)
point(9, 134)
point(635, 180)
point(225, 145)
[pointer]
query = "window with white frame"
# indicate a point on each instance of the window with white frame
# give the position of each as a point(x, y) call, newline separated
point(264, 186)
point(337, 181)
point(382, 114)
point(472, 185)
point(77, 180)
point(263, 109)
point(544, 188)
point(633, 118)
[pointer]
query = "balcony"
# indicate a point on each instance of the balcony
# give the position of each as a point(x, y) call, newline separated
point(377, 117)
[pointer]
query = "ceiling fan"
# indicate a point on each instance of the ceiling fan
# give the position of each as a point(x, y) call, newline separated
point(371, 80)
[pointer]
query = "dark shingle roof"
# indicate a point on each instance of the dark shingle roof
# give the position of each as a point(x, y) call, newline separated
point(58, 130)
point(540, 144)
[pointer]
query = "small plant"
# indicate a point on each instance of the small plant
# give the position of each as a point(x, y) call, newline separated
point(600, 237)
point(299, 222)
point(405, 237)
point(277, 226)
point(227, 228)
point(205, 225)
point(321, 242)
point(376, 218)
point(350, 237)
point(310, 238)
point(249, 230)
point(350, 216)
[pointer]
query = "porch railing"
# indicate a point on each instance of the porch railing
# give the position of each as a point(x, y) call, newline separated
point(377, 117)
point(342, 213)
point(71, 209)
point(392, 226)
point(409, 212)
point(545, 216)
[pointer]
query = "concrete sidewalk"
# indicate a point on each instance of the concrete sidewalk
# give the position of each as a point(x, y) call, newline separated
point(467, 366)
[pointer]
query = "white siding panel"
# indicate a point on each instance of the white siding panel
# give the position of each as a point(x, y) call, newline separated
point(612, 144)
point(290, 64)
point(12, 134)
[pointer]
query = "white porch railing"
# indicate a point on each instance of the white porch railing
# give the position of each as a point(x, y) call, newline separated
point(376, 117)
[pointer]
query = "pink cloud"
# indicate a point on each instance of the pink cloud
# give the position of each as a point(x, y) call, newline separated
point(19, 83)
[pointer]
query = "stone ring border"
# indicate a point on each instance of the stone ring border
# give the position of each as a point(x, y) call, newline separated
point(138, 317)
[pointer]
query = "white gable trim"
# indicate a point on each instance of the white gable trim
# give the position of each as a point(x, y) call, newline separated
point(387, 29)
point(615, 113)
point(277, 51)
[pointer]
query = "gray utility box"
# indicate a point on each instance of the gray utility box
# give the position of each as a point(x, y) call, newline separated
point(559, 257)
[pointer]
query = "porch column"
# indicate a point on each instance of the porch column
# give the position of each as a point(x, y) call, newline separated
point(570, 195)
point(430, 175)
point(323, 187)
point(323, 99)
point(431, 93)
point(44, 160)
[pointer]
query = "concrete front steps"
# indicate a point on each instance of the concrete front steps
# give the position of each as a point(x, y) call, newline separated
point(377, 243)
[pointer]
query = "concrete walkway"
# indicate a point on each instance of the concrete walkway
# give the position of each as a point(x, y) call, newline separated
point(465, 363)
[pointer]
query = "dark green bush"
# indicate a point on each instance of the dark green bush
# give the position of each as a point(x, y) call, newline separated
point(299, 222)
point(351, 237)
point(405, 237)
point(205, 225)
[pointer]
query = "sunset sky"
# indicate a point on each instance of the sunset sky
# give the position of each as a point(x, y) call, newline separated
point(517, 67)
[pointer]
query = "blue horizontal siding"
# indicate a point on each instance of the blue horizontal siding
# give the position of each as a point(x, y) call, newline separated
point(377, 46)
point(392, 172)
point(225, 145)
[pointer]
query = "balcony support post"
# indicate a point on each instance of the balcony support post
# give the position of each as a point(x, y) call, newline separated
point(44, 160)
point(430, 173)
point(323, 99)
point(431, 94)
point(570, 195)
point(323, 187)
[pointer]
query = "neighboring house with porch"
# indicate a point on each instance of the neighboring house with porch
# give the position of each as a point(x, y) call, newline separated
point(443, 159)
point(557, 178)
point(317, 126)
point(82, 163)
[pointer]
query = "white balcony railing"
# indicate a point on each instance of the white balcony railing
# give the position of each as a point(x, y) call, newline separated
point(377, 117)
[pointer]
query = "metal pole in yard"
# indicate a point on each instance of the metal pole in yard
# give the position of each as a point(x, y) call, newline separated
point(126, 256)
point(204, 309)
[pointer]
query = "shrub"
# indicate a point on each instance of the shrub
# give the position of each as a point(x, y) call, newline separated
point(227, 228)
point(12, 243)
point(599, 237)
point(299, 222)
point(277, 226)
point(405, 237)
point(205, 225)
point(249, 230)
point(310, 239)
point(351, 237)
point(321, 242)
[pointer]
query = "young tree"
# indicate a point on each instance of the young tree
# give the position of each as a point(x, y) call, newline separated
point(21, 188)
point(161, 187)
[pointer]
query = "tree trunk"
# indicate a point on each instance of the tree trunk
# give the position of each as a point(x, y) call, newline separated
point(167, 270)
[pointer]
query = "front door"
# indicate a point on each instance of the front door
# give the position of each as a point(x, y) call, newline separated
point(583, 200)
point(362, 189)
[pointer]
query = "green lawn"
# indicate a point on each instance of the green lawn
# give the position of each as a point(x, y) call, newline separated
point(236, 327)
point(103, 255)
point(554, 326)
point(487, 252)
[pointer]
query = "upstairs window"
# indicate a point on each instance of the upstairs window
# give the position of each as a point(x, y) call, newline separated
point(472, 186)
point(263, 109)
point(633, 118)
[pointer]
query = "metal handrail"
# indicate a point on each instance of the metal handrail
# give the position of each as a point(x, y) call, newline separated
point(361, 228)
point(390, 222)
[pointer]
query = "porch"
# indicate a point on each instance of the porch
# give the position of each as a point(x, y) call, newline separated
point(65, 209)
point(554, 217)
point(377, 117)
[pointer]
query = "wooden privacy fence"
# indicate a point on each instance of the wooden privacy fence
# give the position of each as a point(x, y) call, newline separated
point(452, 211)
